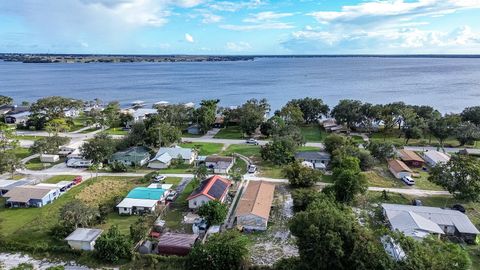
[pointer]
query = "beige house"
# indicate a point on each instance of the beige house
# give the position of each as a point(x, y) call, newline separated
point(253, 210)
point(399, 169)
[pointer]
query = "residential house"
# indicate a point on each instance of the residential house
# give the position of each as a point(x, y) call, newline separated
point(319, 159)
point(83, 238)
point(7, 185)
point(213, 188)
point(253, 210)
point(18, 115)
point(331, 125)
point(4, 109)
point(434, 158)
point(165, 155)
point(141, 200)
point(421, 221)
point(71, 112)
point(219, 122)
point(141, 114)
point(219, 164)
point(26, 196)
point(63, 186)
point(176, 244)
point(399, 169)
point(470, 152)
point(194, 129)
point(411, 158)
point(134, 156)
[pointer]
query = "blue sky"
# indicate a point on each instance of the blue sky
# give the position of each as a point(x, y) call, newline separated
point(240, 27)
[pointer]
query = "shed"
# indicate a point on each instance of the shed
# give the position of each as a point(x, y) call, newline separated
point(49, 158)
point(399, 169)
point(434, 158)
point(411, 158)
point(253, 210)
point(83, 238)
point(176, 244)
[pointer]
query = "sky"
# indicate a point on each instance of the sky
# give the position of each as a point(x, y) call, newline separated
point(240, 27)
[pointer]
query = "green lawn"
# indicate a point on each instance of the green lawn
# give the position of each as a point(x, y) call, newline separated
point(58, 178)
point(184, 168)
point(240, 165)
point(116, 131)
point(308, 148)
point(21, 152)
point(313, 133)
point(174, 215)
point(422, 182)
point(27, 137)
point(251, 151)
point(188, 135)
point(232, 132)
point(36, 165)
point(205, 149)
point(396, 137)
point(89, 130)
point(327, 178)
point(173, 180)
point(375, 179)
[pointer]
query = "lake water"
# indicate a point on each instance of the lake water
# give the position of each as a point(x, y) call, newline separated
point(449, 84)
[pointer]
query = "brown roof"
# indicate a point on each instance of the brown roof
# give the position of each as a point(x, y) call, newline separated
point(408, 155)
point(257, 199)
point(398, 166)
point(215, 158)
point(26, 193)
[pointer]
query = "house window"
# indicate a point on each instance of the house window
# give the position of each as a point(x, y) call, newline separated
point(195, 203)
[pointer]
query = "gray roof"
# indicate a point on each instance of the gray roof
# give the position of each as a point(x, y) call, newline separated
point(313, 155)
point(174, 152)
point(84, 235)
point(9, 184)
point(422, 217)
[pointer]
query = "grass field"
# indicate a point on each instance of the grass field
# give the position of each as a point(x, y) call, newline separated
point(313, 133)
point(232, 132)
point(204, 149)
point(250, 151)
point(31, 226)
point(36, 165)
point(116, 131)
point(240, 166)
point(184, 168)
point(174, 216)
point(21, 152)
point(27, 137)
point(89, 130)
point(396, 137)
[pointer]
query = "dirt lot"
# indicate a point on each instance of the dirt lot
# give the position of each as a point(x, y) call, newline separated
point(277, 242)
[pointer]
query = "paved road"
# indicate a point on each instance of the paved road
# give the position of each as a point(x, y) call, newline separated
point(430, 148)
point(232, 141)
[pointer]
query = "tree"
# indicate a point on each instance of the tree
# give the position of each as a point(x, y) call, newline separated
point(444, 127)
point(303, 197)
point(334, 141)
point(77, 214)
point(347, 180)
point(4, 100)
point(200, 172)
point(251, 114)
point(467, 133)
point(281, 150)
point(329, 237)
point(139, 229)
point(214, 212)
point(163, 135)
point(472, 115)
point(99, 149)
point(348, 112)
point(312, 108)
point(291, 114)
point(227, 250)
point(272, 126)
point(48, 145)
point(54, 107)
point(56, 126)
point(113, 246)
point(301, 176)
point(460, 176)
point(10, 163)
point(110, 116)
point(205, 115)
point(174, 114)
point(381, 150)
point(366, 160)
point(293, 132)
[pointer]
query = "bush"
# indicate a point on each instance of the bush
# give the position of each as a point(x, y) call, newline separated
point(118, 167)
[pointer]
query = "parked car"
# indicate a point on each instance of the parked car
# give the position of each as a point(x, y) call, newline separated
point(77, 180)
point(458, 207)
point(408, 180)
point(159, 178)
point(252, 168)
point(171, 196)
point(252, 141)
point(417, 202)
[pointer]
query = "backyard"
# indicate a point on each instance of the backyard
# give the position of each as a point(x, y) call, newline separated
point(204, 149)
point(313, 133)
point(230, 132)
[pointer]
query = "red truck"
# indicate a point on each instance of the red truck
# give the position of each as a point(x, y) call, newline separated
point(77, 180)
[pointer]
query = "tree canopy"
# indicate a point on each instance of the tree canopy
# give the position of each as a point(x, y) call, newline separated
point(113, 246)
point(301, 176)
point(312, 108)
point(214, 212)
point(99, 149)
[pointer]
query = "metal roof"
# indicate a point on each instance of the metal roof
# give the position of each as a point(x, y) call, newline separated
point(84, 235)
point(439, 216)
point(436, 156)
point(313, 155)
point(174, 152)
point(129, 203)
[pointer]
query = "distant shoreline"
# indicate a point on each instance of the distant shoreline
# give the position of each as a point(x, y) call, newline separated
point(117, 58)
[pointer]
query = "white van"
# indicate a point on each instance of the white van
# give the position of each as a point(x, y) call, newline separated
point(408, 180)
point(79, 163)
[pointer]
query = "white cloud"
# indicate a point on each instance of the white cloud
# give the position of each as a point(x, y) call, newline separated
point(238, 46)
point(208, 17)
point(189, 38)
point(263, 26)
point(231, 6)
point(266, 16)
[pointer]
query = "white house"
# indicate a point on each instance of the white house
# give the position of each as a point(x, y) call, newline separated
point(83, 238)
point(213, 188)
point(319, 160)
point(421, 221)
point(165, 155)
point(142, 114)
point(433, 157)
point(253, 210)
point(129, 206)
point(219, 164)
point(399, 169)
